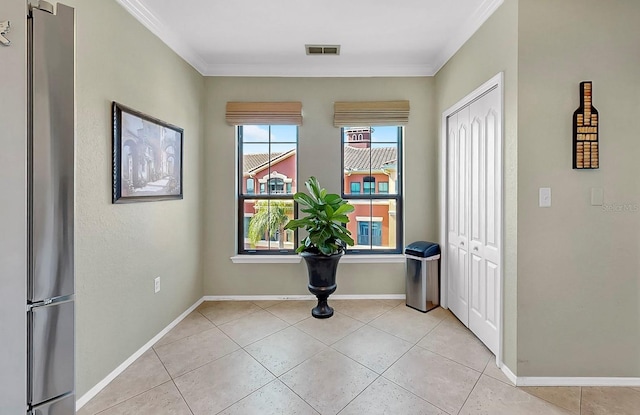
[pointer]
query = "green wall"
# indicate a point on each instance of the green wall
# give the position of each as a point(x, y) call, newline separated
point(120, 249)
point(319, 155)
point(578, 265)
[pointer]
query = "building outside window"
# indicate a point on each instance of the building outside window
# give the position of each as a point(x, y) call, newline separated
point(369, 233)
point(268, 157)
point(369, 184)
point(370, 155)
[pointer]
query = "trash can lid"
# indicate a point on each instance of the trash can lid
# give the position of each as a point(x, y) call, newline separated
point(422, 249)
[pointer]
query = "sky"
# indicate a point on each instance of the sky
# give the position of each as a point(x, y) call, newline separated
point(283, 137)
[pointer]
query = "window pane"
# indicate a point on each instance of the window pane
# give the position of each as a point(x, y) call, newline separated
point(255, 133)
point(250, 183)
point(384, 134)
point(264, 225)
point(373, 224)
point(354, 187)
point(281, 177)
point(383, 187)
point(284, 134)
point(372, 158)
point(255, 158)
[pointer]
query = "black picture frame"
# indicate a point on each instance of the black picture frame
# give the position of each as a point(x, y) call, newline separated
point(147, 157)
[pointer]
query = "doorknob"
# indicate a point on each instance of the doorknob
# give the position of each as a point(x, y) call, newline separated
point(462, 243)
point(475, 248)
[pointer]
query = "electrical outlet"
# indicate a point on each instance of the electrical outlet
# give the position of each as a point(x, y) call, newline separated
point(157, 284)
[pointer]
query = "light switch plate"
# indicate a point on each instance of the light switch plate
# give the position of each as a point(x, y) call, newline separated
point(545, 197)
point(597, 196)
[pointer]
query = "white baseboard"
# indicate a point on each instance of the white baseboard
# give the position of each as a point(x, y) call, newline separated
point(577, 381)
point(302, 297)
point(569, 381)
point(509, 374)
point(104, 382)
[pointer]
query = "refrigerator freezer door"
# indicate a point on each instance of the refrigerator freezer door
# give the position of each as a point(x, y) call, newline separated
point(63, 406)
point(52, 351)
point(52, 153)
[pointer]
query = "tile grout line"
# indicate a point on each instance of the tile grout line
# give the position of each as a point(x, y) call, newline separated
point(580, 407)
point(413, 344)
point(454, 361)
point(419, 397)
point(360, 393)
point(182, 396)
point(136, 395)
point(277, 378)
point(469, 395)
point(402, 387)
point(130, 398)
point(173, 380)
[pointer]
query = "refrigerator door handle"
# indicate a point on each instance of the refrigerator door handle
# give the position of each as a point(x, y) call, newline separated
point(49, 301)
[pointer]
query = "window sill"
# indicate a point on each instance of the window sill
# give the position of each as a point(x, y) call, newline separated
point(295, 259)
point(373, 259)
point(266, 259)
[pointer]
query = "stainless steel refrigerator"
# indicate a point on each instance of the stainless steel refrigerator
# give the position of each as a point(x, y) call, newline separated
point(51, 161)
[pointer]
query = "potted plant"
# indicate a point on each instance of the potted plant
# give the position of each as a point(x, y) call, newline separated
point(326, 241)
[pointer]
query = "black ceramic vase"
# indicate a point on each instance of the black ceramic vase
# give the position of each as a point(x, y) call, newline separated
point(322, 280)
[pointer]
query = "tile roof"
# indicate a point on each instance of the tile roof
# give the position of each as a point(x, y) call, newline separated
point(251, 161)
point(358, 158)
point(354, 158)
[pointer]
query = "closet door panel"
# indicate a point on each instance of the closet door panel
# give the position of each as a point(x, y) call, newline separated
point(485, 218)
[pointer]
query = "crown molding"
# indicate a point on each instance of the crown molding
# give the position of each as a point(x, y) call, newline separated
point(308, 70)
point(477, 19)
point(151, 22)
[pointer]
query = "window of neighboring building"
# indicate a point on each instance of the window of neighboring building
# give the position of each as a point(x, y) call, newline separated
point(268, 157)
point(370, 155)
point(276, 185)
point(369, 184)
point(369, 233)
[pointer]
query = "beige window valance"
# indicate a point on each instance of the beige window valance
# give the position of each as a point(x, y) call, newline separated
point(366, 113)
point(263, 113)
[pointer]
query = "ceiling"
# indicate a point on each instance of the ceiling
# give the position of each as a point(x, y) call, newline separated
point(268, 37)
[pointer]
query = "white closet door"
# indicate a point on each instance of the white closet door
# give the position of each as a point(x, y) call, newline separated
point(484, 270)
point(473, 210)
point(458, 212)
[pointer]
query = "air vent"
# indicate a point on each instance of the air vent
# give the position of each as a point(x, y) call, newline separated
point(322, 49)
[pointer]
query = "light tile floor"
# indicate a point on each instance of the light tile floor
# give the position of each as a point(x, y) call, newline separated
point(372, 357)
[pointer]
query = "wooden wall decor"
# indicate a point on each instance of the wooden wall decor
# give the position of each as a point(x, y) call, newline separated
point(586, 146)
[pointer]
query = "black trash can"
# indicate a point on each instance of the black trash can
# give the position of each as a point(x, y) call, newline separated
point(423, 275)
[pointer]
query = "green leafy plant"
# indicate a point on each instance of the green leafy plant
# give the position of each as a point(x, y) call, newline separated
point(325, 220)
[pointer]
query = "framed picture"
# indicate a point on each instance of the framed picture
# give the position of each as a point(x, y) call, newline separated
point(147, 157)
